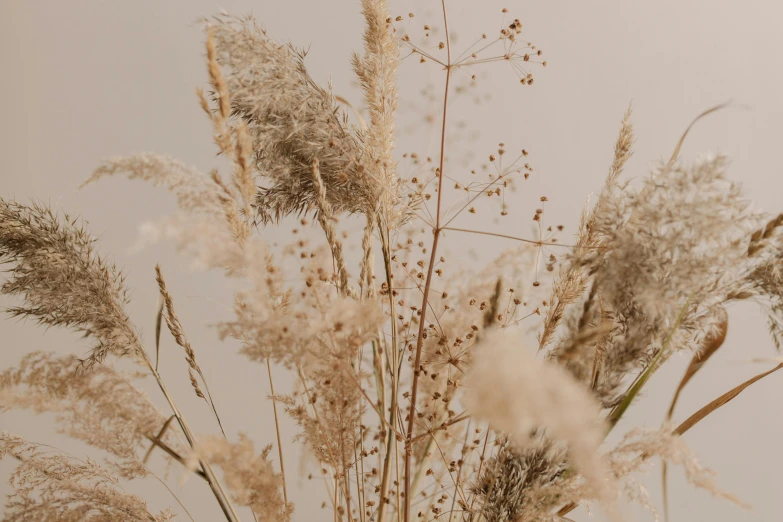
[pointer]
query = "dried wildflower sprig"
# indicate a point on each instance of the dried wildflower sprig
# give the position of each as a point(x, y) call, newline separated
point(63, 281)
point(516, 52)
point(428, 281)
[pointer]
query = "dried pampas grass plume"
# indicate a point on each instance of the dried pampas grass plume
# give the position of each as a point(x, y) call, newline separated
point(519, 395)
point(55, 486)
point(293, 121)
point(62, 280)
point(249, 476)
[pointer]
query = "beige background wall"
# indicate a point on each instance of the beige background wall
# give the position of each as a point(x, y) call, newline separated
point(82, 80)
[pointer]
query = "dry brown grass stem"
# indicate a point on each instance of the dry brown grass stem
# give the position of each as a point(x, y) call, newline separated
point(709, 346)
point(676, 153)
point(277, 430)
point(209, 474)
point(514, 238)
point(391, 354)
point(175, 327)
point(711, 343)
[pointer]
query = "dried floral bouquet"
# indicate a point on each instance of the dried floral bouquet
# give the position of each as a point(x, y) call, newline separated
point(417, 394)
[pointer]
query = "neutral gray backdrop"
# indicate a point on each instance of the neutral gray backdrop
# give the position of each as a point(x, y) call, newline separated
point(83, 80)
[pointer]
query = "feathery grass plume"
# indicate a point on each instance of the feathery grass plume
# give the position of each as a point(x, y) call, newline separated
point(292, 121)
point(633, 454)
point(194, 190)
point(172, 321)
point(249, 476)
point(588, 334)
point(519, 395)
point(53, 486)
point(686, 224)
point(289, 325)
point(218, 81)
point(573, 279)
point(331, 429)
point(101, 407)
point(765, 280)
point(241, 146)
point(366, 270)
point(673, 250)
point(638, 445)
point(515, 475)
point(62, 280)
point(209, 209)
point(377, 71)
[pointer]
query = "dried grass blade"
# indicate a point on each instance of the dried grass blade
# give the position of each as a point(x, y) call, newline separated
point(676, 152)
point(709, 347)
point(158, 437)
point(701, 414)
point(325, 219)
point(720, 401)
point(176, 456)
point(158, 324)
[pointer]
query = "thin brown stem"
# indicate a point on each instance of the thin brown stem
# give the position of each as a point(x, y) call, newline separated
point(171, 492)
point(277, 430)
point(482, 459)
point(459, 418)
point(459, 474)
point(504, 236)
point(428, 283)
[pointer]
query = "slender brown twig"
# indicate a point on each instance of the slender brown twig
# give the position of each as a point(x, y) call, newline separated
point(427, 285)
